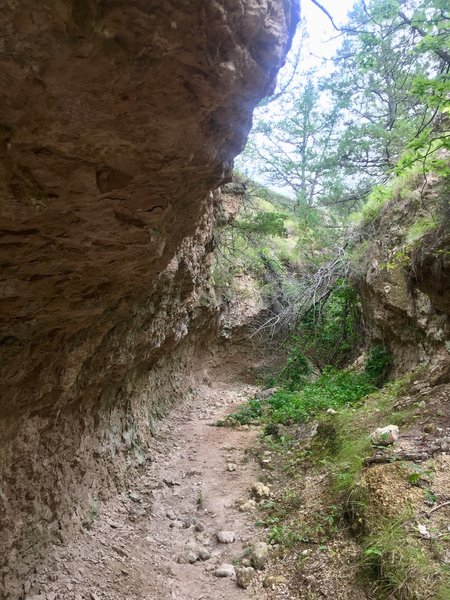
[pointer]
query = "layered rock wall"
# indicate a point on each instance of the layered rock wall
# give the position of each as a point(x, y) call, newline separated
point(117, 120)
point(404, 279)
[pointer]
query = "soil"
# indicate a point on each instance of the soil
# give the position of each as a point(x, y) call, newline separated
point(129, 547)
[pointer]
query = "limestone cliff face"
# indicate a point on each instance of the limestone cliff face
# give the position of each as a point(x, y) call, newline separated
point(117, 120)
point(405, 279)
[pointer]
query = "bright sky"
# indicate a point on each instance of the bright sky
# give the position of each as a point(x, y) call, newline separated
point(323, 41)
point(323, 38)
point(317, 20)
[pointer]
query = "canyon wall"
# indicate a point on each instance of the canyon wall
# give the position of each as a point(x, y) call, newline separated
point(118, 119)
point(404, 278)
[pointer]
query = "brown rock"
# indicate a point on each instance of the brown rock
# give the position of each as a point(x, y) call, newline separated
point(271, 581)
point(115, 126)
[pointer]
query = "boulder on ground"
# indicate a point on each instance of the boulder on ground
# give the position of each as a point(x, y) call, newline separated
point(259, 555)
point(225, 570)
point(260, 491)
point(226, 537)
point(247, 505)
point(244, 576)
point(384, 436)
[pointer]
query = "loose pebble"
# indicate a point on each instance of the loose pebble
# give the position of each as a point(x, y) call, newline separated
point(226, 537)
point(225, 570)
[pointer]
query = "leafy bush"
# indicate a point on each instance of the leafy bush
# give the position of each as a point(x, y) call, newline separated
point(419, 228)
point(331, 390)
point(255, 242)
point(330, 334)
point(264, 223)
point(378, 364)
point(248, 413)
point(378, 197)
point(297, 369)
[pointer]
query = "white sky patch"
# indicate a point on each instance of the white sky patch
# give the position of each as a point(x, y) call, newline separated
point(321, 43)
point(323, 38)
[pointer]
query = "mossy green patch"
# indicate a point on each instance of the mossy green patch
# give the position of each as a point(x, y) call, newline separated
point(344, 450)
point(332, 389)
point(419, 228)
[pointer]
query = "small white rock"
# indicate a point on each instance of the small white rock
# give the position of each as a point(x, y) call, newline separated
point(225, 570)
point(226, 537)
point(423, 530)
point(231, 467)
point(331, 411)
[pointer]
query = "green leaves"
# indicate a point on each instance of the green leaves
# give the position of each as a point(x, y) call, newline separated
point(264, 223)
point(377, 365)
point(330, 333)
point(337, 134)
point(331, 390)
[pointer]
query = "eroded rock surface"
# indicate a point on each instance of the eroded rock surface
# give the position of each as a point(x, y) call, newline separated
point(118, 118)
point(404, 281)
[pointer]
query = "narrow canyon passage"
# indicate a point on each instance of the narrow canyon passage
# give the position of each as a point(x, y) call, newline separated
point(134, 546)
point(210, 211)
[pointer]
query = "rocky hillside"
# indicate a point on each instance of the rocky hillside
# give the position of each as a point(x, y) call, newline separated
point(403, 272)
point(118, 119)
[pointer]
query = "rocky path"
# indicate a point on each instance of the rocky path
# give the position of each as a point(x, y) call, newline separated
point(158, 541)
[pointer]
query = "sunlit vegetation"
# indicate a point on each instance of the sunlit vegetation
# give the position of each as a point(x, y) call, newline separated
point(343, 144)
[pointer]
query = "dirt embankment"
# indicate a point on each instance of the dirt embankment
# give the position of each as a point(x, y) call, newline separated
point(404, 278)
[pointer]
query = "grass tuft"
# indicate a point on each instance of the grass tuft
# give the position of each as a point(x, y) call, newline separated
point(397, 566)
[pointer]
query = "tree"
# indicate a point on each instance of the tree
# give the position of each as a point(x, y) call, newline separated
point(336, 137)
point(296, 151)
point(379, 65)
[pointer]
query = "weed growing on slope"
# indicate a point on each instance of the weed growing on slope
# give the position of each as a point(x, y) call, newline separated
point(378, 364)
point(397, 566)
point(321, 500)
point(343, 440)
point(333, 389)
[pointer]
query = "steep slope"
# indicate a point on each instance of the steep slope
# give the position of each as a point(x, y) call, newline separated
point(404, 277)
point(117, 120)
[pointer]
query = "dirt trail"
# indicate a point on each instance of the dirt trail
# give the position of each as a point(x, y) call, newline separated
point(186, 495)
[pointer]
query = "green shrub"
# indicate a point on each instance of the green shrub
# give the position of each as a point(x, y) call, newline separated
point(378, 197)
point(419, 228)
point(297, 369)
point(250, 412)
point(378, 364)
point(399, 565)
point(263, 223)
point(329, 334)
point(331, 390)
